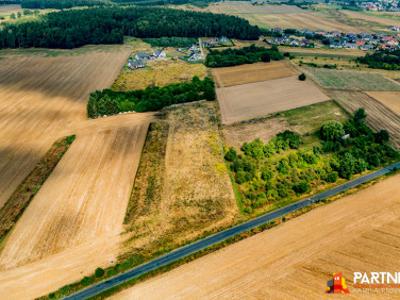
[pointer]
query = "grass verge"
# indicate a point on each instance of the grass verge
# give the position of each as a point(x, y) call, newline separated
point(20, 199)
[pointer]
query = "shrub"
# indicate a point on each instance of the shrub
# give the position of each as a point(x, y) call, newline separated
point(382, 136)
point(99, 272)
point(302, 77)
point(301, 187)
point(231, 154)
point(331, 177)
point(293, 139)
point(331, 131)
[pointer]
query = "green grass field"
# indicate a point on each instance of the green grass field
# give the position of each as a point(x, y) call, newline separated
point(351, 80)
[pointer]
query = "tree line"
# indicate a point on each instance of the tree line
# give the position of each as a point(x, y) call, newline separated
point(75, 28)
point(247, 55)
point(283, 169)
point(109, 102)
point(60, 4)
point(383, 59)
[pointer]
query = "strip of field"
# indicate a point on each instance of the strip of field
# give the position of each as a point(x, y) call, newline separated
point(378, 115)
point(20, 199)
point(259, 99)
point(252, 73)
point(42, 96)
point(296, 258)
point(84, 199)
point(389, 99)
point(183, 188)
point(351, 80)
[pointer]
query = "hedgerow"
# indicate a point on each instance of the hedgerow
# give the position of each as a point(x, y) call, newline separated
point(109, 102)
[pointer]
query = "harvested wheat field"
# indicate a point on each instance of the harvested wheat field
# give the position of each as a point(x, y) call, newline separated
point(247, 101)
point(360, 232)
point(389, 99)
point(182, 188)
point(378, 115)
point(230, 76)
point(41, 96)
point(78, 212)
point(84, 198)
point(270, 16)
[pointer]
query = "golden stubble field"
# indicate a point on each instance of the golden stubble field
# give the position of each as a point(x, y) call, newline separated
point(295, 260)
point(73, 224)
point(389, 99)
point(248, 101)
point(243, 74)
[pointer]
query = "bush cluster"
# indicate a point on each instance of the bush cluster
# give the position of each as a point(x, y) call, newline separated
point(109, 102)
point(283, 169)
point(246, 55)
point(382, 59)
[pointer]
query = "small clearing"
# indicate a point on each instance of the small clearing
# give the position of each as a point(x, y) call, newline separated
point(303, 120)
point(243, 74)
point(248, 101)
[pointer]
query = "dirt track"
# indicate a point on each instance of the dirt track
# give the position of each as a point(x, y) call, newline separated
point(73, 224)
point(295, 260)
point(247, 101)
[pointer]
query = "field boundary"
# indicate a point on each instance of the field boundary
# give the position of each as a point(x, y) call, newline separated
point(219, 237)
point(16, 204)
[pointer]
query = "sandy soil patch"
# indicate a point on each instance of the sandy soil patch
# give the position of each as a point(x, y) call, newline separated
point(357, 233)
point(252, 100)
point(378, 115)
point(252, 73)
point(389, 99)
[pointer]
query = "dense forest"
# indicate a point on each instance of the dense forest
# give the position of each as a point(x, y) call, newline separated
point(180, 42)
point(246, 55)
point(74, 28)
point(284, 169)
point(109, 102)
point(6, 2)
point(60, 4)
point(384, 59)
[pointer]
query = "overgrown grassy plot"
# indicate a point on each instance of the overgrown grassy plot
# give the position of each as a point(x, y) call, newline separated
point(351, 80)
point(269, 175)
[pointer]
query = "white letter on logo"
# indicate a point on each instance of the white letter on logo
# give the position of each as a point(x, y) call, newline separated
point(356, 276)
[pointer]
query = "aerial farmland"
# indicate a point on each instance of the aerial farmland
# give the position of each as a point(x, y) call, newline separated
point(189, 149)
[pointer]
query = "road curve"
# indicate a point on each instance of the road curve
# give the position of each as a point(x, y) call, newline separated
point(211, 240)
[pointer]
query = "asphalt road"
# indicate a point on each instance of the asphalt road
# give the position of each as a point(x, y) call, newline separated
point(223, 235)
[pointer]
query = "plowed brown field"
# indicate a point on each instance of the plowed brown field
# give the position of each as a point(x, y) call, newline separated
point(73, 224)
point(378, 115)
point(360, 232)
point(248, 101)
point(389, 99)
point(252, 73)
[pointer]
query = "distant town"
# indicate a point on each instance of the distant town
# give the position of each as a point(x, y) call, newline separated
point(334, 39)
